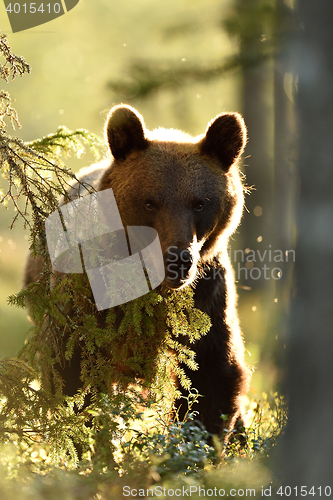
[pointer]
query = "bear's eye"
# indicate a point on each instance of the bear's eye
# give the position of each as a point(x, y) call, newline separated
point(149, 205)
point(199, 206)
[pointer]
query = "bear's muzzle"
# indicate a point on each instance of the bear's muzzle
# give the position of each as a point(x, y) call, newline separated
point(178, 264)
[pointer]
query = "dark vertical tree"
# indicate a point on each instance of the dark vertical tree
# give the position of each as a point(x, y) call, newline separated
point(284, 139)
point(261, 26)
point(306, 457)
point(257, 110)
point(284, 188)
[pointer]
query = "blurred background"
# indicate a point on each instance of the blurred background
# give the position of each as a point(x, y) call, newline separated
point(179, 63)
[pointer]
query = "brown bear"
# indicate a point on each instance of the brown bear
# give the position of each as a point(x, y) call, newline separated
point(190, 191)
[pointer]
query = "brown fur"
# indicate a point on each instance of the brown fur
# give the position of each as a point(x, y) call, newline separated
point(189, 190)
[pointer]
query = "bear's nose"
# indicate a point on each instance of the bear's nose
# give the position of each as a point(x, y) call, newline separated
point(177, 264)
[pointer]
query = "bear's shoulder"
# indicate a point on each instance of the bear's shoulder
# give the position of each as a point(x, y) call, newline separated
point(88, 179)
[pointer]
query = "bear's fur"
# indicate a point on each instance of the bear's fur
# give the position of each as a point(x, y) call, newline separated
point(190, 191)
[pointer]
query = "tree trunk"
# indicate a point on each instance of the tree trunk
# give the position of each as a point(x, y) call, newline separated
point(306, 454)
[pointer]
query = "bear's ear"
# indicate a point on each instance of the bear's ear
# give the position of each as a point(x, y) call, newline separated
point(225, 139)
point(125, 131)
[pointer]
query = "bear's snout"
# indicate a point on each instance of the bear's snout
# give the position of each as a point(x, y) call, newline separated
point(178, 264)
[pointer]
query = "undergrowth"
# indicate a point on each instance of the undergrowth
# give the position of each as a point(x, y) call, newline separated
point(139, 450)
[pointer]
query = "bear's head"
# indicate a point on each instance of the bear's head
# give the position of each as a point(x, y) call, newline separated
point(188, 189)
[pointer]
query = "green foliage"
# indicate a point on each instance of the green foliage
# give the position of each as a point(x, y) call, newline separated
point(32, 174)
point(66, 142)
point(269, 416)
point(135, 341)
point(265, 419)
point(35, 171)
point(14, 65)
point(29, 415)
point(142, 450)
point(171, 447)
